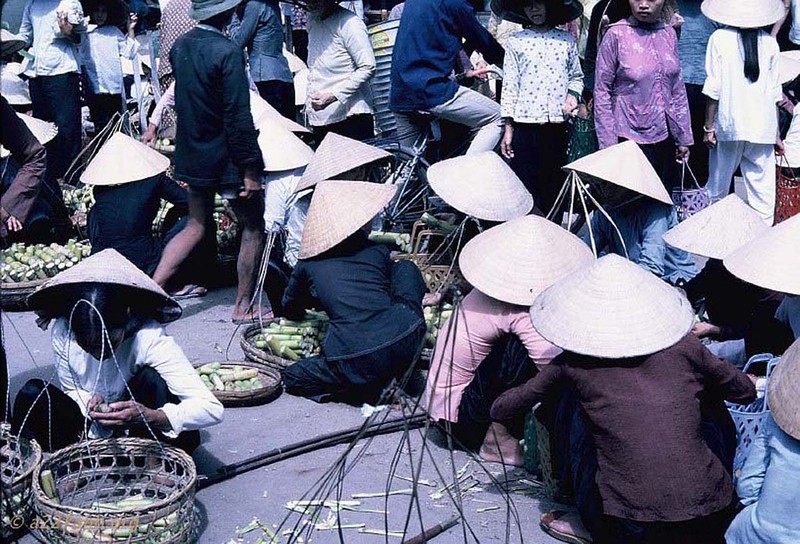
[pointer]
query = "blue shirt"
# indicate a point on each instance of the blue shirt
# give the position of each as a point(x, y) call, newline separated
point(694, 35)
point(257, 27)
point(54, 53)
point(428, 41)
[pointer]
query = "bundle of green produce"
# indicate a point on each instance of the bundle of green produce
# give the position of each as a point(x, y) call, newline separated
point(220, 377)
point(226, 233)
point(399, 239)
point(294, 340)
point(435, 318)
point(20, 263)
point(78, 200)
point(438, 224)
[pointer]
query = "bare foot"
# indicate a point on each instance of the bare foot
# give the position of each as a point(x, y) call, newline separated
point(560, 524)
point(254, 316)
point(500, 447)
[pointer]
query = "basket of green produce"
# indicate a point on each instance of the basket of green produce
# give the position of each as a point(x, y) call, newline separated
point(241, 383)
point(282, 342)
point(116, 490)
point(18, 460)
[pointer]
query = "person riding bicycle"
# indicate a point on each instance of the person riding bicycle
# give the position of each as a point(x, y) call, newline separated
point(428, 42)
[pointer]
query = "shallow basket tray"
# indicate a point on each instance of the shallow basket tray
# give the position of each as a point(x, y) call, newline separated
point(262, 357)
point(108, 471)
point(19, 458)
point(14, 296)
point(268, 375)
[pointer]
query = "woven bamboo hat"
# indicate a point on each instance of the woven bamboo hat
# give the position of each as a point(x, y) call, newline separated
point(281, 149)
point(261, 110)
point(783, 391)
point(515, 261)
point(338, 209)
point(743, 13)
point(337, 155)
point(123, 160)
point(558, 11)
point(14, 88)
point(41, 130)
point(772, 260)
point(717, 231)
point(612, 309)
point(788, 67)
point(481, 185)
point(10, 43)
point(107, 267)
point(623, 165)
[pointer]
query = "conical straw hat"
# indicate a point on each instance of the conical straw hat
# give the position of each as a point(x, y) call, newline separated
point(123, 160)
point(10, 43)
point(772, 260)
point(281, 149)
point(14, 88)
point(481, 185)
point(41, 130)
point(612, 309)
point(783, 392)
point(788, 67)
point(337, 155)
point(108, 267)
point(338, 209)
point(517, 260)
point(717, 231)
point(626, 166)
point(261, 110)
point(743, 13)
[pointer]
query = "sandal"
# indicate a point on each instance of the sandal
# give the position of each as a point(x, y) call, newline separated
point(190, 291)
point(546, 521)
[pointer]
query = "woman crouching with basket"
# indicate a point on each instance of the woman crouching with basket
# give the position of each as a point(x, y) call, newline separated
point(117, 369)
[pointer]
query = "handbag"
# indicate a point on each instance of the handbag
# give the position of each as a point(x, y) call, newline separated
point(692, 200)
point(787, 192)
point(582, 137)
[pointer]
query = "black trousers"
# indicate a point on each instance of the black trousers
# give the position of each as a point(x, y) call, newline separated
point(661, 156)
point(358, 127)
point(506, 366)
point(278, 274)
point(300, 43)
point(102, 108)
point(362, 379)
point(57, 99)
point(56, 421)
point(540, 150)
point(279, 95)
point(698, 159)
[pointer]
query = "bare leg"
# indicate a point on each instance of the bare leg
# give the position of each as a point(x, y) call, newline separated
point(201, 206)
point(250, 213)
point(500, 447)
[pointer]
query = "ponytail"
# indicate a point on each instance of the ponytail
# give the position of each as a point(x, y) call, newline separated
point(749, 37)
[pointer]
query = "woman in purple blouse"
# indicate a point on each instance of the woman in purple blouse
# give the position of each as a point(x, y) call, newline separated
point(639, 92)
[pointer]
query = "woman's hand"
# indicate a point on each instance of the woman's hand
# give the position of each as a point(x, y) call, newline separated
point(570, 105)
point(149, 136)
point(508, 137)
point(63, 23)
point(703, 330)
point(710, 138)
point(681, 153)
point(132, 19)
point(779, 147)
point(252, 184)
point(130, 413)
point(321, 101)
point(13, 224)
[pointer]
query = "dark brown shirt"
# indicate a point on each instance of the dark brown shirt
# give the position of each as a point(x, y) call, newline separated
point(644, 414)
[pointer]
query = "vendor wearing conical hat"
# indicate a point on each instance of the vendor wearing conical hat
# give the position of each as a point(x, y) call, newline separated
point(116, 366)
point(376, 323)
point(769, 484)
point(489, 344)
point(641, 401)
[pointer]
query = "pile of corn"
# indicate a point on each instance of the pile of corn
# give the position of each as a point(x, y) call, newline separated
point(79, 199)
point(219, 377)
point(21, 263)
point(294, 340)
point(435, 318)
point(399, 239)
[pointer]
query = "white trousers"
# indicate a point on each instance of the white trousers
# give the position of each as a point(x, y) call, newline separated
point(757, 162)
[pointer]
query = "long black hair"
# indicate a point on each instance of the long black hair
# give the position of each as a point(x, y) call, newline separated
point(749, 37)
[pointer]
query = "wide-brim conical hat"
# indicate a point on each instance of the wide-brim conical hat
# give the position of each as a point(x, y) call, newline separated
point(13, 88)
point(788, 67)
point(260, 109)
point(772, 260)
point(612, 309)
point(719, 230)
point(337, 155)
point(43, 131)
point(783, 392)
point(516, 261)
point(743, 13)
point(481, 185)
point(108, 267)
point(338, 209)
point(10, 43)
point(123, 160)
point(281, 149)
point(626, 166)
point(514, 11)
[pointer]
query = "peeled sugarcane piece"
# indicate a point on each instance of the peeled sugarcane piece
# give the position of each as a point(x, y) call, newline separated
point(436, 223)
point(209, 368)
point(217, 381)
point(282, 351)
point(48, 484)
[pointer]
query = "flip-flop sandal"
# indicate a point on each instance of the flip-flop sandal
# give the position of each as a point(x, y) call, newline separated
point(546, 519)
point(191, 291)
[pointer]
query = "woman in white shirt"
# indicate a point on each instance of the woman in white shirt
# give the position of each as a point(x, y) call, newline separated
point(743, 90)
point(117, 369)
point(341, 64)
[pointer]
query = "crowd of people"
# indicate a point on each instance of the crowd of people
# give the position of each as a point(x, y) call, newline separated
point(667, 124)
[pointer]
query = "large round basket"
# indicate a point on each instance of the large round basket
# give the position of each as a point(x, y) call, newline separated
point(120, 490)
point(14, 296)
point(18, 460)
point(269, 376)
point(262, 357)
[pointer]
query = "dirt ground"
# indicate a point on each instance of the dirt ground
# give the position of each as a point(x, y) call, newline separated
point(205, 332)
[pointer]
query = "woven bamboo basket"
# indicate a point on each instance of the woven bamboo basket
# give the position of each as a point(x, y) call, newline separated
point(262, 357)
point(269, 376)
point(18, 460)
point(14, 296)
point(91, 477)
